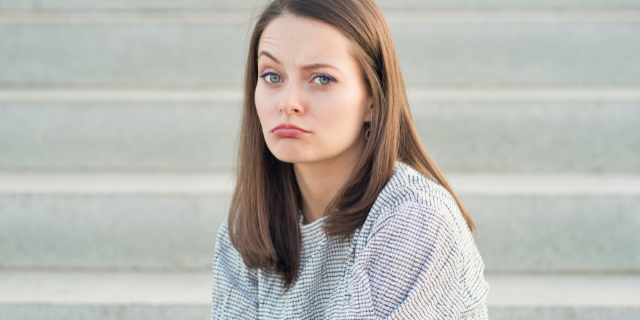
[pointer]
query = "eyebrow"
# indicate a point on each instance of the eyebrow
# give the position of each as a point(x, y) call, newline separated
point(262, 52)
point(318, 66)
point(305, 67)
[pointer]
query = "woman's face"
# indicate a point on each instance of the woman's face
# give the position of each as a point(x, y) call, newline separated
point(310, 80)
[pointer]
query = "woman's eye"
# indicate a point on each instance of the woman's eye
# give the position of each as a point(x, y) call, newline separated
point(323, 80)
point(273, 78)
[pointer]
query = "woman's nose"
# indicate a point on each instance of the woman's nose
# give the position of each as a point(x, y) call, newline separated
point(293, 100)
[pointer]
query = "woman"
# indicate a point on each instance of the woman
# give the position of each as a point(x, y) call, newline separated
point(338, 211)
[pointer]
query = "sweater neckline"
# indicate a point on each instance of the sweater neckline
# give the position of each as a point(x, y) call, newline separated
point(310, 226)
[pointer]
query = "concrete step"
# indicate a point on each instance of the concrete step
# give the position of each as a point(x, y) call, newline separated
point(554, 222)
point(160, 221)
point(486, 129)
point(248, 4)
point(560, 297)
point(128, 295)
point(121, 221)
point(16, 5)
point(436, 48)
point(105, 295)
point(118, 130)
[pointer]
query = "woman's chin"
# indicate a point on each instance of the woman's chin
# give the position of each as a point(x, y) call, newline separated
point(289, 154)
point(290, 157)
point(288, 150)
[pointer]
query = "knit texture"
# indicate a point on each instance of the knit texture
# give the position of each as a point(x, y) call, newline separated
point(414, 258)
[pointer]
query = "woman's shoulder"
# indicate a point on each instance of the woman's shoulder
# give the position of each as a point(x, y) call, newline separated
point(413, 198)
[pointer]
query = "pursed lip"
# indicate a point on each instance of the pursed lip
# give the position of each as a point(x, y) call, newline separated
point(288, 130)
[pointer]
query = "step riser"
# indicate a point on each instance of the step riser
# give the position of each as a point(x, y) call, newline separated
point(16, 5)
point(47, 312)
point(461, 136)
point(563, 313)
point(248, 4)
point(557, 233)
point(205, 53)
point(104, 312)
point(118, 136)
point(127, 231)
point(87, 54)
point(165, 295)
point(516, 233)
point(531, 136)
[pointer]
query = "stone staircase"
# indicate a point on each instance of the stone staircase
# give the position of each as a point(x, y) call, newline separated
point(118, 121)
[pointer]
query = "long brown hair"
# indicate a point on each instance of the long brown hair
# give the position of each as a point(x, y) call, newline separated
point(264, 215)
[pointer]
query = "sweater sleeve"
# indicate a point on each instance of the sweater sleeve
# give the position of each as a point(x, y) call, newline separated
point(409, 268)
point(235, 287)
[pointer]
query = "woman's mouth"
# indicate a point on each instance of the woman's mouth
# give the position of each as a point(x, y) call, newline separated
point(287, 130)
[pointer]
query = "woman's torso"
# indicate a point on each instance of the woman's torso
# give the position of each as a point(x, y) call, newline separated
point(327, 263)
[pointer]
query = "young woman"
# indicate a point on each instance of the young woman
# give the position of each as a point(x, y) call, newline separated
point(338, 211)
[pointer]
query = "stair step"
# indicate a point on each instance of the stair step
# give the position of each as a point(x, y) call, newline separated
point(110, 220)
point(222, 183)
point(105, 287)
point(248, 4)
point(113, 183)
point(526, 129)
point(482, 47)
point(16, 5)
point(104, 295)
point(564, 290)
point(526, 223)
point(172, 295)
point(564, 296)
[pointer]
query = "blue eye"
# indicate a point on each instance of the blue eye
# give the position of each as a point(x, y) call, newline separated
point(271, 77)
point(323, 80)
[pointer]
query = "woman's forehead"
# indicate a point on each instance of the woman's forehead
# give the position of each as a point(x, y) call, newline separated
point(303, 40)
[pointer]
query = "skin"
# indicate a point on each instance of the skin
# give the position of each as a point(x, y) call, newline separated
point(331, 103)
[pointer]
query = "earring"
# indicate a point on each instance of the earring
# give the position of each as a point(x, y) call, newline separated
point(366, 134)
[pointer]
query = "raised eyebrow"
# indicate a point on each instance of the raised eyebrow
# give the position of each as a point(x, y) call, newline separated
point(305, 67)
point(318, 66)
point(262, 52)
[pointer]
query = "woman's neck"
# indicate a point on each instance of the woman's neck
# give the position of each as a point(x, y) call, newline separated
point(320, 181)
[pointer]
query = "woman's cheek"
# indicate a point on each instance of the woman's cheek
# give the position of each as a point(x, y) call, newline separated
point(336, 130)
point(263, 105)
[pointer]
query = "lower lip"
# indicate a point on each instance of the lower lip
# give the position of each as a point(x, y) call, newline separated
point(288, 132)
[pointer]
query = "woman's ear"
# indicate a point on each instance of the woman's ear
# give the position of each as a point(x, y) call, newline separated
point(369, 114)
point(369, 111)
